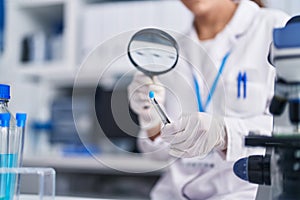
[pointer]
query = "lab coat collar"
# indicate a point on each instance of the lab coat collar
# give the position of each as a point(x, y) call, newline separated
point(242, 18)
point(237, 27)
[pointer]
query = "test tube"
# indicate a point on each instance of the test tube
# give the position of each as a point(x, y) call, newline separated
point(19, 146)
point(4, 147)
point(21, 121)
point(158, 109)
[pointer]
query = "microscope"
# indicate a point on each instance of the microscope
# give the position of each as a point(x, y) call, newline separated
point(279, 168)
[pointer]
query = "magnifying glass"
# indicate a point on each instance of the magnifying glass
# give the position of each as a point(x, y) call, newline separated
point(153, 51)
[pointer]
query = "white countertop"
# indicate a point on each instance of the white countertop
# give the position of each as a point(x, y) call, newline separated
point(135, 164)
point(32, 197)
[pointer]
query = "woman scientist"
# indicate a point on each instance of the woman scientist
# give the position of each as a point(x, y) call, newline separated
point(231, 101)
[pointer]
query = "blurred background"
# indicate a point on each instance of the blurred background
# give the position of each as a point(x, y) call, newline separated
point(42, 45)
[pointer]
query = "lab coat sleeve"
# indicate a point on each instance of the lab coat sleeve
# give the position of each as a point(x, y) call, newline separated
point(157, 149)
point(237, 129)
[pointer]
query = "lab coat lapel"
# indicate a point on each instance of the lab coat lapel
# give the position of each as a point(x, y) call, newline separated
point(237, 27)
point(242, 19)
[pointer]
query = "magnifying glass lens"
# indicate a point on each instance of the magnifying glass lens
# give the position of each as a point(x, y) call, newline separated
point(153, 51)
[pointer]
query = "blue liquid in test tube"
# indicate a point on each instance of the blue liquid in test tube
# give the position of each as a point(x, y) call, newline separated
point(11, 178)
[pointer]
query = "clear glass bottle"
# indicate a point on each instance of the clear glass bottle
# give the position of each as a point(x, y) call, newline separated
point(4, 99)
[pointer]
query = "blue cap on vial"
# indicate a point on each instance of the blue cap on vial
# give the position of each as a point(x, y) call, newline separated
point(4, 91)
point(4, 119)
point(21, 119)
point(151, 94)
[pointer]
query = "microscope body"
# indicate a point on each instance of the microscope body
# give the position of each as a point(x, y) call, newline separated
point(280, 166)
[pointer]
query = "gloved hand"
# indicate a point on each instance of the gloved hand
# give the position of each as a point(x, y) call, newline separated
point(138, 94)
point(195, 135)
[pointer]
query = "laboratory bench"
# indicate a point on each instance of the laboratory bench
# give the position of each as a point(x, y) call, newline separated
point(88, 177)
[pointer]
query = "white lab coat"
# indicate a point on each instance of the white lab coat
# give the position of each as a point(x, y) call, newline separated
point(248, 36)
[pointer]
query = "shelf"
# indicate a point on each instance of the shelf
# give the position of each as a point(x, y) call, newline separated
point(55, 70)
point(39, 3)
point(42, 11)
point(59, 74)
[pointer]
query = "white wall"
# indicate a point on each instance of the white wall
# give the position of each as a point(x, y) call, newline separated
point(291, 7)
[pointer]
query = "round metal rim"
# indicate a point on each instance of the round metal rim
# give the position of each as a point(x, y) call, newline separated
point(164, 35)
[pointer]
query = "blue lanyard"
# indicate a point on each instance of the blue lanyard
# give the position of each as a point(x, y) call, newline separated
point(213, 88)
